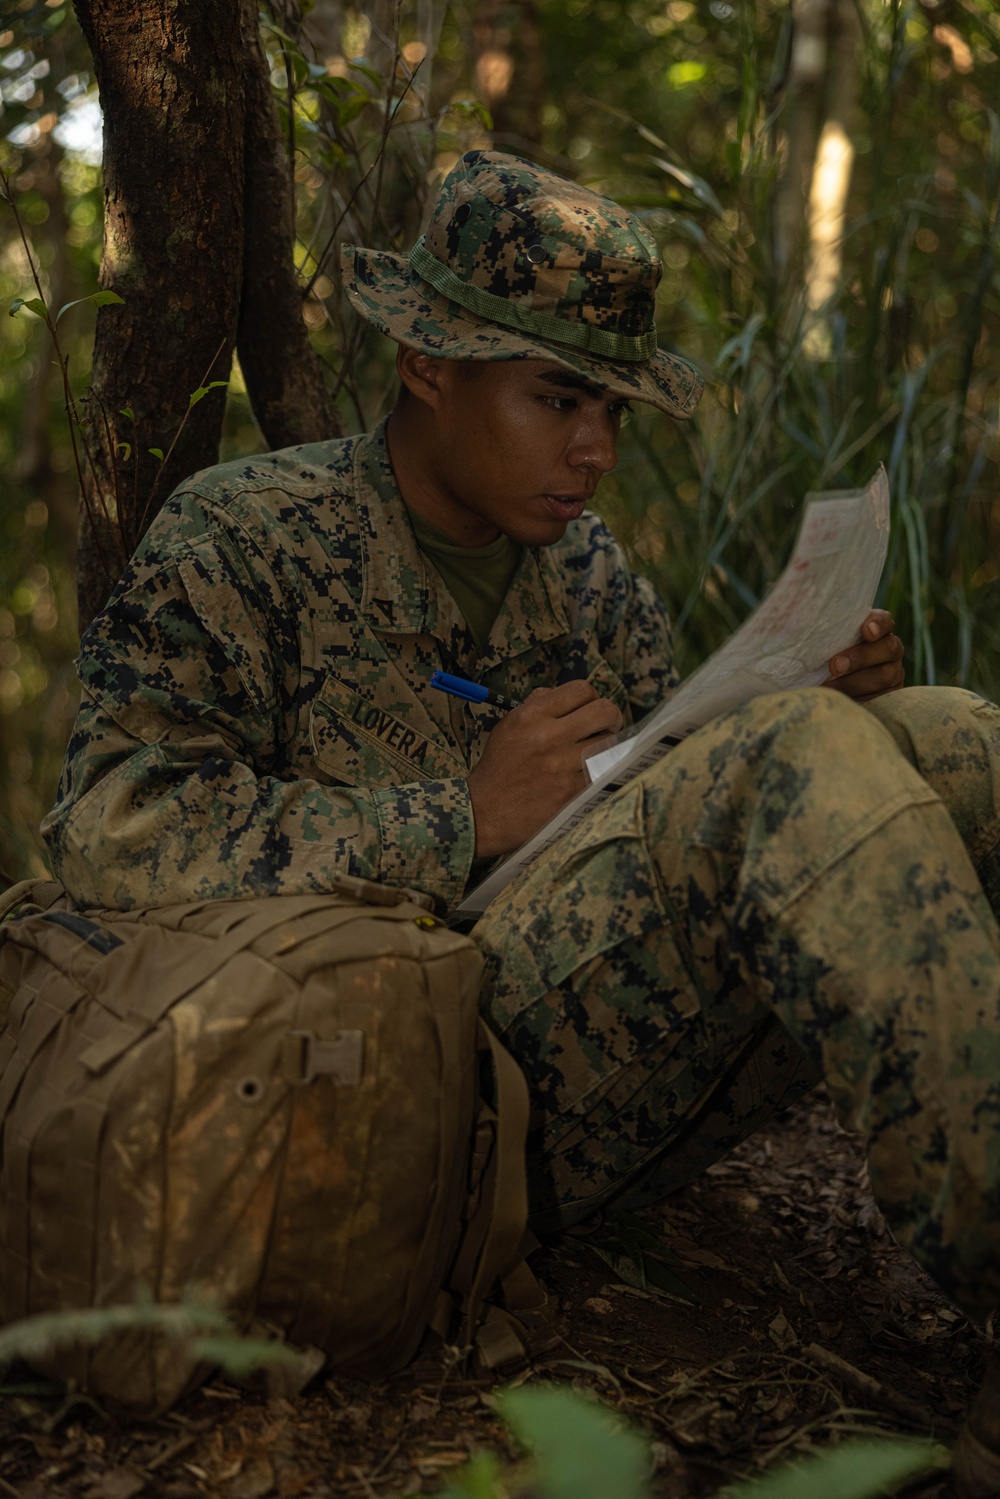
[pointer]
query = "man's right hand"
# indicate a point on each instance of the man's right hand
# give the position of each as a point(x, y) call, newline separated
point(533, 763)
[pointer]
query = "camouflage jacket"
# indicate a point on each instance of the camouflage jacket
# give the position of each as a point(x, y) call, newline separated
point(257, 709)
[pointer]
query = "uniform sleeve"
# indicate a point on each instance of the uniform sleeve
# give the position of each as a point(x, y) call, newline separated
point(633, 626)
point(174, 786)
point(648, 671)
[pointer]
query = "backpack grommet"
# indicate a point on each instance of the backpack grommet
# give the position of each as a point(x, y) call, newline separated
point(250, 1089)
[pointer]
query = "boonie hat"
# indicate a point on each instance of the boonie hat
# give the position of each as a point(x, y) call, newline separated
point(518, 263)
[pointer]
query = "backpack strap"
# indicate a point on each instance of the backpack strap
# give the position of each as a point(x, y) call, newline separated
point(496, 1238)
point(154, 1003)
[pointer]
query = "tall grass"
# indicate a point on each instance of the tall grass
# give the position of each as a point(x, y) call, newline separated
point(900, 369)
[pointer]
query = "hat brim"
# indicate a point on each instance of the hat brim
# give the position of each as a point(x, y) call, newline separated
point(379, 288)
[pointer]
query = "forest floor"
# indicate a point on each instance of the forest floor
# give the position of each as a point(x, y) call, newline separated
point(810, 1324)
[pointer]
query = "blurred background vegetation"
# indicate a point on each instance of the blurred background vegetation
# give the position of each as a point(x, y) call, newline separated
point(822, 177)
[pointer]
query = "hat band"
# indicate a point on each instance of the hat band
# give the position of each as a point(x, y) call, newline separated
point(538, 324)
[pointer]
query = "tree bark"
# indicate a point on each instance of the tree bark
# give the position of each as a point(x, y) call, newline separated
point(170, 74)
point(283, 373)
point(198, 241)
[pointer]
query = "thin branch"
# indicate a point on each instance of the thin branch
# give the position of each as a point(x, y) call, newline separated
point(72, 414)
point(176, 438)
point(290, 111)
point(112, 458)
point(376, 162)
point(390, 111)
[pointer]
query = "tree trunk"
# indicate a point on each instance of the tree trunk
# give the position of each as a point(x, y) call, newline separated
point(198, 240)
point(284, 377)
point(170, 74)
point(811, 196)
point(831, 176)
point(803, 116)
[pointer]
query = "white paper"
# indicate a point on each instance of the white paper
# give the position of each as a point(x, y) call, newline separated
point(815, 609)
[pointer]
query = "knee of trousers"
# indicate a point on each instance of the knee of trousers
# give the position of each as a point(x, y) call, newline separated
point(927, 722)
point(784, 785)
point(798, 711)
point(952, 739)
point(808, 731)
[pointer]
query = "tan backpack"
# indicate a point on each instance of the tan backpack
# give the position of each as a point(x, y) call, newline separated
point(271, 1103)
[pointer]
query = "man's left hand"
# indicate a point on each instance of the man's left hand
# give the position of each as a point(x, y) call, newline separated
point(872, 667)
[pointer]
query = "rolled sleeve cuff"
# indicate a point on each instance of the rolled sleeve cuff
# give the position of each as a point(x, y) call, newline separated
point(428, 836)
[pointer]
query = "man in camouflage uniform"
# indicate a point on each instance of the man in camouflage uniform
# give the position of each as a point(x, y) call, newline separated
point(804, 887)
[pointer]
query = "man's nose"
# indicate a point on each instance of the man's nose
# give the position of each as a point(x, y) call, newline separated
point(595, 443)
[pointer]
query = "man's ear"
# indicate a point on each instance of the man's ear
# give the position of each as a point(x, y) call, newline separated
point(420, 374)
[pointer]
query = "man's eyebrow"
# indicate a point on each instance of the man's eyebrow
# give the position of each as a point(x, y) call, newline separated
point(569, 381)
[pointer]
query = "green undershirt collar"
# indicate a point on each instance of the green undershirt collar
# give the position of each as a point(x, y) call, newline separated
point(476, 577)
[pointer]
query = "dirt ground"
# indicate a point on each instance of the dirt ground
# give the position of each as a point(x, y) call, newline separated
point(810, 1324)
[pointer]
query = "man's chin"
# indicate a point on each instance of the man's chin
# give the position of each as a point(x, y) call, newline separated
point(538, 533)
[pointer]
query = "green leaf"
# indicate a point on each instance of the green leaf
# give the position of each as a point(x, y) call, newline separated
point(125, 448)
point(470, 109)
point(854, 1470)
point(99, 299)
point(476, 1481)
point(738, 349)
point(31, 304)
point(156, 452)
point(659, 1278)
point(105, 299)
point(32, 1390)
point(366, 68)
point(639, 1232)
point(202, 392)
point(350, 110)
point(240, 1356)
point(127, 411)
point(333, 157)
point(336, 87)
point(581, 1450)
point(625, 1268)
point(696, 185)
point(635, 1253)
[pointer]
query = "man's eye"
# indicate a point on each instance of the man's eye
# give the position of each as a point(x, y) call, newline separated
point(621, 408)
point(560, 403)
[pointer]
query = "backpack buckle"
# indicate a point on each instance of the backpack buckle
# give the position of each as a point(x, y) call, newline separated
point(305, 1057)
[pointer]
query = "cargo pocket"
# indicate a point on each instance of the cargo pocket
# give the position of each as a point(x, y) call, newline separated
point(597, 891)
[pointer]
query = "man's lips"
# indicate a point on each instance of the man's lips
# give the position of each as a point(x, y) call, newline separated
point(566, 506)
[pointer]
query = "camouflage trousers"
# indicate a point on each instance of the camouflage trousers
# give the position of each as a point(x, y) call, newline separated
point(804, 888)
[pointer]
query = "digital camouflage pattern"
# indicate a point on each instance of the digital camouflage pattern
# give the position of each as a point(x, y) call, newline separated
point(257, 711)
point(804, 887)
point(518, 263)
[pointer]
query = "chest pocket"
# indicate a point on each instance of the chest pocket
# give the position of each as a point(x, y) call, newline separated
point(357, 743)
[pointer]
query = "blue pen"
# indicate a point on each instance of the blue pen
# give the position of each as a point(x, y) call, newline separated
point(472, 692)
